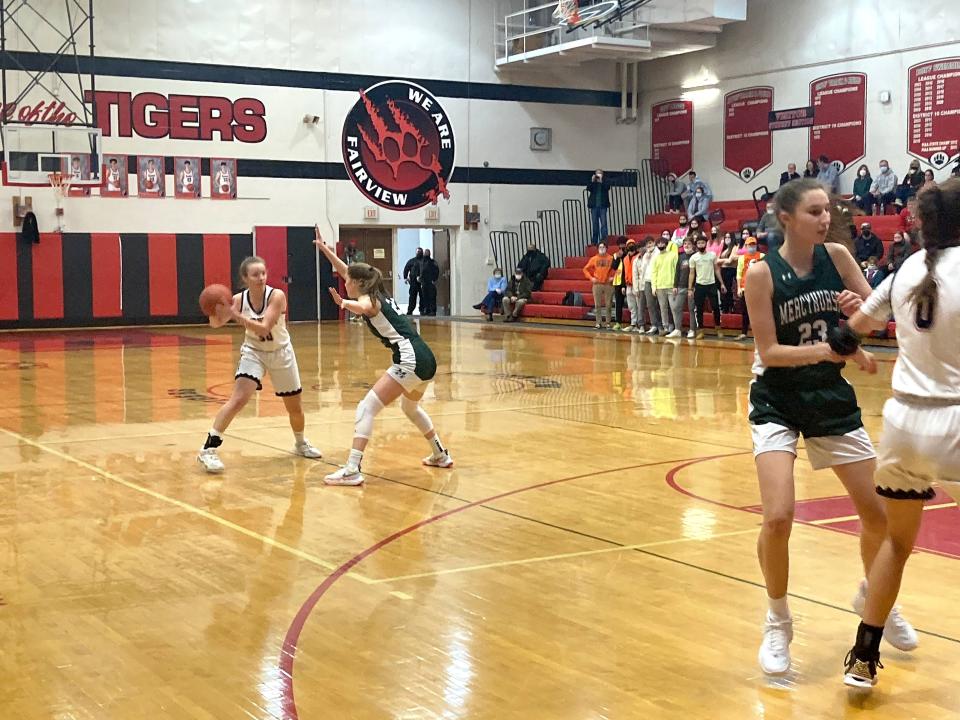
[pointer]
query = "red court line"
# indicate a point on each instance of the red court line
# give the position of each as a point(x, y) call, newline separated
point(289, 650)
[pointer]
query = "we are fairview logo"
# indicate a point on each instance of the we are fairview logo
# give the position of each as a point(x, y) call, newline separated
point(398, 146)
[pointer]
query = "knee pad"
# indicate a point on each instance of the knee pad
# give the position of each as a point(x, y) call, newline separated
point(416, 414)
point(367, 410)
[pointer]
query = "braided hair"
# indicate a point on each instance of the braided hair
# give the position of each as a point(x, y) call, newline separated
point(938, 209)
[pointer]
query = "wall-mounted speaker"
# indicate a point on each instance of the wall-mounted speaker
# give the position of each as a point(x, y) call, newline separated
point(541, 139)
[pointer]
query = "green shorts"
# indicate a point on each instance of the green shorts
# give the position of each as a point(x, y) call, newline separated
point(821, 412)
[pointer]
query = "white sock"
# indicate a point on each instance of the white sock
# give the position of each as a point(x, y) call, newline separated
point(353, 462)
point(213, 431)
point(435, 445)
point(778, 608)
point(299, 437)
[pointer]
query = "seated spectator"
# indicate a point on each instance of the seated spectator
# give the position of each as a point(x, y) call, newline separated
point(698, 206)
point(867, 245)
point(790, 174)
point(811, 170)
point(929, 180)
point(496, 286)
point(681, 232)
point(599, 271)
point(693, 182)
point(861, 190)
point(751, 256)
point(884, 188)
point(828, 176)
point(872, 272)
point(675, 190)
point(910, 184)
point(517, 295)
point(769, 231)
point(908, 216)
point(900, 250)
point(535, 266)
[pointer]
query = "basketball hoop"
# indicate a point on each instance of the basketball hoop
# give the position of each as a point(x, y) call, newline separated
point(567, 12)
point(59, 183)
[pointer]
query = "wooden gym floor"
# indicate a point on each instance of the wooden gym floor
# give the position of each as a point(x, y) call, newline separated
point(592, 554)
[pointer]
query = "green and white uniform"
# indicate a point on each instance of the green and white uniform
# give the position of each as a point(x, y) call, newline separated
point(413, 361)
point(811, 400)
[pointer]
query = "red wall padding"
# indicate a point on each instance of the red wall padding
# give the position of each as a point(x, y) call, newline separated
point(162, 253)
point(270, 243)
point(216, 260)
point(48, 277)
point(9, 302)
point(105, 268)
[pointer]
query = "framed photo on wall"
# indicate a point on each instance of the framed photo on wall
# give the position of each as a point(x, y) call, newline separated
point(115, 182)
point(74, 169)
point(186, 177)
point(223, 178)
point(151, 176)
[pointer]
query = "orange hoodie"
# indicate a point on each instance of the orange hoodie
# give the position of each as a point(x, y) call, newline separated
point(599, 267)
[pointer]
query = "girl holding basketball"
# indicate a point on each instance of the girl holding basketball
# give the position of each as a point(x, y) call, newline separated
point(266, 348)
point(413, 364)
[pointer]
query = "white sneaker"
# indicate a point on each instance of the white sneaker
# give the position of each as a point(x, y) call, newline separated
point(440, 461)
point(652, 331)
point(896, 630)
point(691, 334)
point(774, 653)
point(210, 460)
point(674, 334)
point(344, 476)
point(307, 450)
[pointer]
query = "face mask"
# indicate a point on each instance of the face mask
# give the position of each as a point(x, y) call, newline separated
point(863, 173)
point(884, 168)
point(661, 246)
point(683, 223)
point(914, 168)
point(602, 251)
point(497, 275)
point(701, 248)
point(699, 194)
point(664, 239)
point(519, 276)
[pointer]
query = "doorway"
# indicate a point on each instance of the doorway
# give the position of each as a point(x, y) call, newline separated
point(437, 241)
point(376, 246)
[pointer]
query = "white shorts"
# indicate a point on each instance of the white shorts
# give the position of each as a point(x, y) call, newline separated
point(407, 377)
point(920, 445)
point(281, 364)
point(823, 452)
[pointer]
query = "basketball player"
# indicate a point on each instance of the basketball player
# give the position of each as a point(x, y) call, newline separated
point(266, 348)
point(113, 177)
point(76, 172)
point(921, 422)
point(151, 178)
point(187, 181)
point(413, 364)
point(224, 179)
point(798, 390)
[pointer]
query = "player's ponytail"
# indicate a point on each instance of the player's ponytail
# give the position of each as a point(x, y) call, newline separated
point(369, 279)
point(939, 211)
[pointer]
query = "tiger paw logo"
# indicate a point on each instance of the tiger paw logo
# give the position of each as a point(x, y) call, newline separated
point(398, 146)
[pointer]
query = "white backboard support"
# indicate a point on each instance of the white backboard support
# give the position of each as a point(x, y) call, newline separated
point(32, 152)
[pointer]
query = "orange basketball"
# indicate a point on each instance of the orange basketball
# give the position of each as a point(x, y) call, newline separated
point(212, 296)
point(224, 189)
point(148, 184)
point(188, 188)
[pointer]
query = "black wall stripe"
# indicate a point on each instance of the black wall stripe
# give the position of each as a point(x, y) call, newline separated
point(241, 246)
point(24, 279)
point(189, 276)
point(136, 276)
point(328, 279)
point(302, 271)
point(77, 276)
point(307, 79)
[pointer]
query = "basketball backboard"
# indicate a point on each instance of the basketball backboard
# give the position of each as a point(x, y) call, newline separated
point(32, 152)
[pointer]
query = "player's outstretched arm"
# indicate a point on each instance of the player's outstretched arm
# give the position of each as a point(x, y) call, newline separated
point(339, 265)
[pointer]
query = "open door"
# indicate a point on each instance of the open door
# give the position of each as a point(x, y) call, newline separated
point(376, 244)
point(441, 253)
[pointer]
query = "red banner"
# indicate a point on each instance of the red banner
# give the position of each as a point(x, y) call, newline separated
point(671, 136)
point(747, 147)
point(840, 106)
point(934, 119)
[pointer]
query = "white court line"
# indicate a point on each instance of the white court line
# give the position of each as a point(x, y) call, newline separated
point(848, 518)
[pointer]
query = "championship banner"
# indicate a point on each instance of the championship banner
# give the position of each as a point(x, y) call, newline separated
point(840, 111)
point(747, 145)
point(671, 136)
point(934, 111)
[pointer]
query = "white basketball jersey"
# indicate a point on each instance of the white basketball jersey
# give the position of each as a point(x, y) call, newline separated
point(187, 178)
point(929, 338)
point(223, 177)
point(113, 180)
point(76, 173)
point(278, 337)
point(152, 176)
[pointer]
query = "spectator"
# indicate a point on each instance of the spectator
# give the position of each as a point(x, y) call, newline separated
point(664, 269)
point(714, 244)
point(693, 228)
point(351, 256)
point(598, 200)
point(867, 245)
point(790, 174)
point(496, 286)
point(727, 260)
point(811, 170)
point(884, 188)
point(411, 276)
point(675, 189)
point(682, 296)
point(598, 272)
point(517, 295)
point(666, 236)
point(908, 216)
point(699, 204)
point(769, 230)
point(647, 298)
point(910, 184)
point(828, 176)
point(681, 232)
point(861, 190)
point(929, 180)
point(694, 182)
point(744, 236)
point(631, 293)
point(751, 256)
point(535, 266)
point(619, 285)
point(900, 250)
point(872, 272)
point(707, 283)
point(429, 274)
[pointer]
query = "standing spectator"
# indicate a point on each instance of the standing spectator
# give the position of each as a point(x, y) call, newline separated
point(751, 256)
point(535, 266)
point(811, 170)
point(884, 188)
point(619, 285)
point(663, 272)
point(411, 275)
point(908, 216)
point(666, 236)
point(714, 244)
point(867, 245)
point(429, 274)
point(351, 256)
point(598, 272)
point(910, 184)
point(900, 250)
point(598, 200)
point(675, 188)
point(496, 286)
point(828, 176)
point(861, 190)
point(744, 236)
point(707, 283)
point(769, 231)
point(790, 174)
point(682, 296)
point(519, 291)
point(681, 232)
point(699, 204)
point(727, 260)
point(929, 180)
point(647, 299)
point(631, 291)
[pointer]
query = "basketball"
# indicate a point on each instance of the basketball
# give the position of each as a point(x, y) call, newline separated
point(148, 184)
point(225, 189)
point(188, 188)
point(212, 296)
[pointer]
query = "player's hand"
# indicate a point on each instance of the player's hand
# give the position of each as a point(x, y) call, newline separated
point(336, 297)
point(318, 239)
point(224, 312)
point(865, 361)
point(849, 302)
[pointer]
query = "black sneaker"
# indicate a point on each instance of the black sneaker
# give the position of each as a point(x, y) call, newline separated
point(859, 673)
